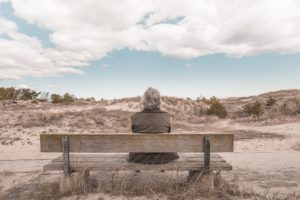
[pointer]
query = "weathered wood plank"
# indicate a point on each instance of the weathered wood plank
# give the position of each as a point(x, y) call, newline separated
point(125, 159)
point(92, 162)
point(125, 155)
point(125, 166)
point(111, 159)
point(113, 143)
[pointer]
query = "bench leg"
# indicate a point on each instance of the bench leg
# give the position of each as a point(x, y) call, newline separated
point(66, 157)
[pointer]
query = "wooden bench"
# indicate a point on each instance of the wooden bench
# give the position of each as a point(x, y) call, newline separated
point(101, 152)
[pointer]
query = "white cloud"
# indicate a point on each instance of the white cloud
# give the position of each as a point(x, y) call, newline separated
point(84, 31)
point(104, 65)
point(22, 55)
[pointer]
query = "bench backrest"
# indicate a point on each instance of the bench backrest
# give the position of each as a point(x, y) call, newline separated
point(121, 143)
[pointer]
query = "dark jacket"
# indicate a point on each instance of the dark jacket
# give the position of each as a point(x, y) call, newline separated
point(151, 122)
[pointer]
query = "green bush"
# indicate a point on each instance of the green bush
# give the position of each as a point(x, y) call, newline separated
point(271, 102)
point(254, 109)
point(56, 98)
point(216, 108)
point(8, 93)
point(67, 99)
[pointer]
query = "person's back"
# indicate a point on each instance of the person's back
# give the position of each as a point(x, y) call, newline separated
point(151, 121)
point(155, 121)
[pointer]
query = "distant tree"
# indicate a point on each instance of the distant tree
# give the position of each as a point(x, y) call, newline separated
point(8, 93)
point(254, 109)
point(56, 98)
point(271, 102)
point(216, 108)
point(67, 98)
point(90, 99)
point(14, 94)
point(3, 93)
point(27, 94)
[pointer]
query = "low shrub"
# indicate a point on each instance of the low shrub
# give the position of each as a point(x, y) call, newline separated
point(68, 99)
point(254, 109)
point(216, 108)
point(271, 102)
point(56, 98)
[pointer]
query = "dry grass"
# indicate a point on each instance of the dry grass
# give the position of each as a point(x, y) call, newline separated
point(132, 185)
point(6, 173)
point(168, 187)
point(296, 147)
point(5, 140)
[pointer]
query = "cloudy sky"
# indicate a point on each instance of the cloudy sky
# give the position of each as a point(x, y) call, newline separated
point(117, 48)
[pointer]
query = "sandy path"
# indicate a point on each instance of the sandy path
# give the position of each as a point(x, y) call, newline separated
point(278, 172)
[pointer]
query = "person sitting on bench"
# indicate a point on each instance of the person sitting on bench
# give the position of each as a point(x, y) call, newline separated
point(151, 120)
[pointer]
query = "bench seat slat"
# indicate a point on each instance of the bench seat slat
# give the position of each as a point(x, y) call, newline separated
point(79, 162)
point(113, 166)
point(123, 158)
point(125, 155)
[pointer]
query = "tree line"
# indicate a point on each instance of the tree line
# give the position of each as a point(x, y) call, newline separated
point(25, 94)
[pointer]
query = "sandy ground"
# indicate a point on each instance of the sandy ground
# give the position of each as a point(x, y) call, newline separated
point(266, 158)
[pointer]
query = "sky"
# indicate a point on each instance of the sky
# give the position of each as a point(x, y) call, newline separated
point(112, 48)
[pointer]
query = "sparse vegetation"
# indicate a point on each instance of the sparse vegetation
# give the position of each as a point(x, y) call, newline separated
point(17, 94)
point(119, 186)
point(56, 98)
point(271, 102)
point(67, 98)
point(90, 99)
point(27, 94)
point(216, 108)
point(8, 93)
point(254, 109)
point(291, 106)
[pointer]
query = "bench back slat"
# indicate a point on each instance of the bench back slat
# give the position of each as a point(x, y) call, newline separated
point(120, 143)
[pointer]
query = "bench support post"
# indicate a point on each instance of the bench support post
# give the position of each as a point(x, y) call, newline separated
point(206, 148)
point(206, 169)
point(65, 147)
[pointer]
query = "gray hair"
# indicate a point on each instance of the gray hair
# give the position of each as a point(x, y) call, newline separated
point(151, 99)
